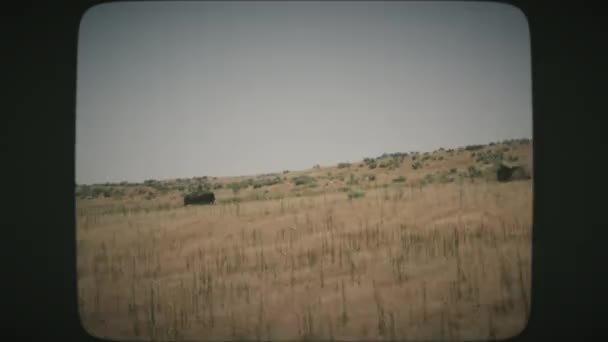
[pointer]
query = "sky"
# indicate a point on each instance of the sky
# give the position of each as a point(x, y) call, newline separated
point(191, 89)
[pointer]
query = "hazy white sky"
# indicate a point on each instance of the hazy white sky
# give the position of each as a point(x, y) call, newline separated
point(170, 89)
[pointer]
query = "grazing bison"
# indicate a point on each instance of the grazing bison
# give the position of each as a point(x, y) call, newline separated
point(199, 198)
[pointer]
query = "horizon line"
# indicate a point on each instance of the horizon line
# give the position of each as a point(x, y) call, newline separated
point(299, 170)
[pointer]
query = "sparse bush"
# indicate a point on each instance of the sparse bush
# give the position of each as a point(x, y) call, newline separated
point(473, 147)
point(83, 191)
point(371, 177)
point(473, 172)
point(355, 194)
point(352, 180)
point(235, 187)
point(343, 165)
point(445, 177)
point(302, 180)
point(399, 179)
point(417, 165)
point(266, 182)
point(489, 157)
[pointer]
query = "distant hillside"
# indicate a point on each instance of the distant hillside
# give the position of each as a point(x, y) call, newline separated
point(389, 169)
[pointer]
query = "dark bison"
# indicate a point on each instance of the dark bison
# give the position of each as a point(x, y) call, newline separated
point(199, 198)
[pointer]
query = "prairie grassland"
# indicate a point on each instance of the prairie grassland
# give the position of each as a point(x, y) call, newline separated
point(438, 262)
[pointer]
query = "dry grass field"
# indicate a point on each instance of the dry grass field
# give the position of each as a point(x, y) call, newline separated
point(386, 259)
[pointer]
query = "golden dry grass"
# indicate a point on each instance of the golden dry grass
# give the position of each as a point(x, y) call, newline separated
point(440, 262)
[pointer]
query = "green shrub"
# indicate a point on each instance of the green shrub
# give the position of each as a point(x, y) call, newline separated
point(266, 182)
point(473, 172)
point(352, 180)
point(488, 157)
point(355, 194)
point(445, 177)
point(399, 179)
point(302, 180)
point(237, 186)
point(473, 147)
